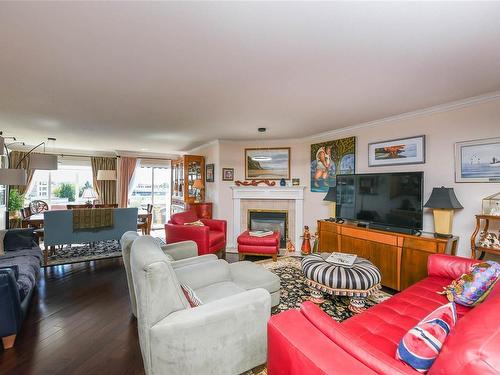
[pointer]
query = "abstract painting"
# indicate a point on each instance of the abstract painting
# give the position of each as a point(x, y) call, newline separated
point(328, 159)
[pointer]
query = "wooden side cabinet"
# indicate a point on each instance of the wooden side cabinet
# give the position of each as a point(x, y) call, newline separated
point(401, 258)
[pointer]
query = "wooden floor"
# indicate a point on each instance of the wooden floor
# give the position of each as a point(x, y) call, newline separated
point(79, 322)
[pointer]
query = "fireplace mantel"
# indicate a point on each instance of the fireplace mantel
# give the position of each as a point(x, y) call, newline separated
point(295, 193)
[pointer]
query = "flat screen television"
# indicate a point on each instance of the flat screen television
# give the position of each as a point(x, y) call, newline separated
point(384, 200)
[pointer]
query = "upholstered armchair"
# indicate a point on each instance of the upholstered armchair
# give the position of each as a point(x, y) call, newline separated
point(210, 238)
point(226, 335)
point(181, 254)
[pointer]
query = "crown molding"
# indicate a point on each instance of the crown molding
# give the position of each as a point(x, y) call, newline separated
point(203, 145)
point(445, 107)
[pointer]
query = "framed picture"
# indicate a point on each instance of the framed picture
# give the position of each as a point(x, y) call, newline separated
point(227, 174)
point(477, 161)
point(267, 163)
point(328, 159)
point(209, 173)
point(397, 152)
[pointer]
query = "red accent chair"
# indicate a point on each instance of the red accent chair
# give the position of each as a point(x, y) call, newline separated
point(210, 238)
point(308, 341)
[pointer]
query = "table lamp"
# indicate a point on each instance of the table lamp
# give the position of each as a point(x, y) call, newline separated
point(90, 195)
point(443, 201)
point(331, 197)
point(198, 185)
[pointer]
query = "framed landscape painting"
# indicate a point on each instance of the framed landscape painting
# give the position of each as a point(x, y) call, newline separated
point(477, 161)
point(397, 152)
point(267, 163)
point(328, 159)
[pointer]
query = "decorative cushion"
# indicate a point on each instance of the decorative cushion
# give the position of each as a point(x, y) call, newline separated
point(473, 287)
point(17, 239)
point(421, 345)
point(196, 223)
point(191, 296)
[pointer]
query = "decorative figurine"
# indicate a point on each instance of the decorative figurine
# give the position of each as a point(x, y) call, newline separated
point(316, 243)
point(290, 248)
point(306, 242)
point(282, 182)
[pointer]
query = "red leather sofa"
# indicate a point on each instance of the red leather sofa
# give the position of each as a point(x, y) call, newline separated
point(210, 238)
point(309, 342)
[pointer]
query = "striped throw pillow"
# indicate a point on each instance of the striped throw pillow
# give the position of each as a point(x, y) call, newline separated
point(191, 296)
point(421, 345)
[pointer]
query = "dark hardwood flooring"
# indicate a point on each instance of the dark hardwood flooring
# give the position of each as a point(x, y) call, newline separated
point(79, 322)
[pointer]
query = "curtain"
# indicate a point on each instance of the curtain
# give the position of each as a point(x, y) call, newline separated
point(106, 190)
point(127, 171)
point(14, 158)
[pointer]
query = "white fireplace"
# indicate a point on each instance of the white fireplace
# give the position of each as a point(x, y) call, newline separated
point(246, 197)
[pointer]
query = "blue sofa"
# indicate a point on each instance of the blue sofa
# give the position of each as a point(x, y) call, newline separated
point(19, 272)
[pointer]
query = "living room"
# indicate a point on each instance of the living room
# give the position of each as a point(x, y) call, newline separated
point(250, 187)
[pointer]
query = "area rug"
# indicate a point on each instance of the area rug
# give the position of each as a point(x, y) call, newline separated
point(294, 290)
point(86, 252)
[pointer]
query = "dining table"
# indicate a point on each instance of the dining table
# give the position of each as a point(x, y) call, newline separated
point(37, 220)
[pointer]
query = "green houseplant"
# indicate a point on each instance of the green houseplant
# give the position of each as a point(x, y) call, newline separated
point(16, 202)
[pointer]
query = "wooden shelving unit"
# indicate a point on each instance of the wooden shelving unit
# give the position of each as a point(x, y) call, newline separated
point(475, 248)
point(185, 171)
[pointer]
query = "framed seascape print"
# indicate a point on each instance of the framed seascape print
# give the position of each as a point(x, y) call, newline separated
point(477, 161)
point(267, 163)
point(209, 173)
point(328, 159)
point(227, 174)
point(397, 152)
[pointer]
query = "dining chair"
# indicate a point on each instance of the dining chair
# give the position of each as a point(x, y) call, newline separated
point(38, 206)
point(144, 224)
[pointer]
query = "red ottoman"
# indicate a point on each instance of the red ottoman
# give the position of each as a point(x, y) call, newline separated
point(268, 245)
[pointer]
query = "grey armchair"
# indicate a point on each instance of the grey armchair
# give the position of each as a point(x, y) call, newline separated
point(181, 254)
point(224, 336)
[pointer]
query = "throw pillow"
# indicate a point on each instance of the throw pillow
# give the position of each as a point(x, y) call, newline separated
point(473, 287)
point(196, 223)
point(421, 345)
point(2, 236)
point(191, 296)
point(17, 239)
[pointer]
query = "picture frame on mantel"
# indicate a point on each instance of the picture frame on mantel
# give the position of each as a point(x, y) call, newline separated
point(478, 160)
point(227, 174)
point(401, 151)
point(267, 163)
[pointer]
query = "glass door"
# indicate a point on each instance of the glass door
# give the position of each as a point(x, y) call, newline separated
point(152, 186)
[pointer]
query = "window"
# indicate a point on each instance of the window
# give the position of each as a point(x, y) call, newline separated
point(62, 186)
point(152, 186)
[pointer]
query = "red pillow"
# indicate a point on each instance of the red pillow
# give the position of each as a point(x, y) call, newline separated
point(421, 345)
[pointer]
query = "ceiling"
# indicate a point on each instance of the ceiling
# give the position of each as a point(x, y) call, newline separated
point(168, 76)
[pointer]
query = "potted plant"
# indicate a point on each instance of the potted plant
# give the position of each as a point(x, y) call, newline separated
point(16, 202)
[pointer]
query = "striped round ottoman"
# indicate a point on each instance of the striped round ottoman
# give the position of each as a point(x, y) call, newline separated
point(358, 281)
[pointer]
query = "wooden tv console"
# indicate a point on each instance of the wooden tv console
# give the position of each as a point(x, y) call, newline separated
point(401, 258)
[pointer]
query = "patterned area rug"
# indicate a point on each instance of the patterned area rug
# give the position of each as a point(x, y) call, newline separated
point(294, 290)
point(86, 252)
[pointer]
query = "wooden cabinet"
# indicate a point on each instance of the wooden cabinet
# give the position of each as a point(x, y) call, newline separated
point(401, 258)
point(203, 210)
point(185, 171)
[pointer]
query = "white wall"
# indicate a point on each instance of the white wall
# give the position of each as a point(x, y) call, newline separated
point(442, 130)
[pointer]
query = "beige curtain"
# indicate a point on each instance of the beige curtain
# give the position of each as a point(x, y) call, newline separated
point(127, 169)
point(106, 190)
point(15, 157)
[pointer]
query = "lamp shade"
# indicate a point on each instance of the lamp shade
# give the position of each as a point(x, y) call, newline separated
point(198, 184)
point(43, 161)
point(12, 176)
point(444, 198)
point(331, 196)
point(106, 175)
point(89, 193)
